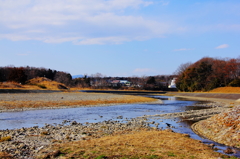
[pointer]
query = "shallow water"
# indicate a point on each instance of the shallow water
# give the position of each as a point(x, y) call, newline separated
point(14, 120)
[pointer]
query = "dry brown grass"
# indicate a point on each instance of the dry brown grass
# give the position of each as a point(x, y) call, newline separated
point(45, 83)
point(226, 90)
point(39, 104)
point(138, 144)
point(10, 85)
point(38, 83)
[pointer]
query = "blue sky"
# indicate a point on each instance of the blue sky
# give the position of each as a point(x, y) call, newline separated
point(117, 37)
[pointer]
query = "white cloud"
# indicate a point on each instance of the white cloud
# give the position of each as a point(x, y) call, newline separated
point(182, 49)
point(223, 46)
point(80, 21)
point(103, 40)
point(95, 21)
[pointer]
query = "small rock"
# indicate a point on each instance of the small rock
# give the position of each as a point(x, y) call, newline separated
point(120, 117)
point(74, 123)
point(228, 151)
point(212, 145)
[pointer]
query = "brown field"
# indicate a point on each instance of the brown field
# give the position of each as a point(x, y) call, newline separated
point(143, 144)
point(226, 90)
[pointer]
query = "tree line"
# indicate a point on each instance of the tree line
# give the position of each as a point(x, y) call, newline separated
point(99, 81)
point(23, 74)
point(208, 73)
point(95, 81)
point(205, 74)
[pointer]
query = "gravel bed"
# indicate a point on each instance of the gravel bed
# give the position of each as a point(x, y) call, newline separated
point(222, 128)
point(212, 109)
point(27, 143)
point(58, 97)
point(69, 96)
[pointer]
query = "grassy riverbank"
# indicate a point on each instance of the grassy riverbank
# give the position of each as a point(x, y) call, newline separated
point(141, 144)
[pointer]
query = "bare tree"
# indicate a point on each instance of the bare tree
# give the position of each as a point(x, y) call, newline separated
point(182, 68)
point(63, 77)
point(98, 80)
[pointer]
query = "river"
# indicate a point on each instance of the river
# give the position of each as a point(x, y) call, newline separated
point(14, 120)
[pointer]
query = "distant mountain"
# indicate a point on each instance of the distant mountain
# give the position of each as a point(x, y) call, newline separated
point(77, 76)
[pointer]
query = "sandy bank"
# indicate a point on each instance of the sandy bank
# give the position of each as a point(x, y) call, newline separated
point(223, 127)
point(219, 97)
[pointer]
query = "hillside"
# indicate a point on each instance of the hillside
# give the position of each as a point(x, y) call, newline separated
point(38, 83)
point(226, 90)
point(46, 83)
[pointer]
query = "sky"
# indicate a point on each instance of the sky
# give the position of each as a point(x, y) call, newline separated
point(122, 38)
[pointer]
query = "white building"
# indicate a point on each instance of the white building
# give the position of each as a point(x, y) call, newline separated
point(173, 84)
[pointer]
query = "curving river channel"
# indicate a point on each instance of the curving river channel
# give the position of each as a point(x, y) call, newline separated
point(14, 120)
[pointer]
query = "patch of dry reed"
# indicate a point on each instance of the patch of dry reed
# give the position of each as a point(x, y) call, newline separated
point(137, 144)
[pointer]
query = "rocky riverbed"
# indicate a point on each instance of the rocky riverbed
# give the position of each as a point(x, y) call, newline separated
point(211, 109)
point(221, 124)
point(28, 142)
point(223, 128)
